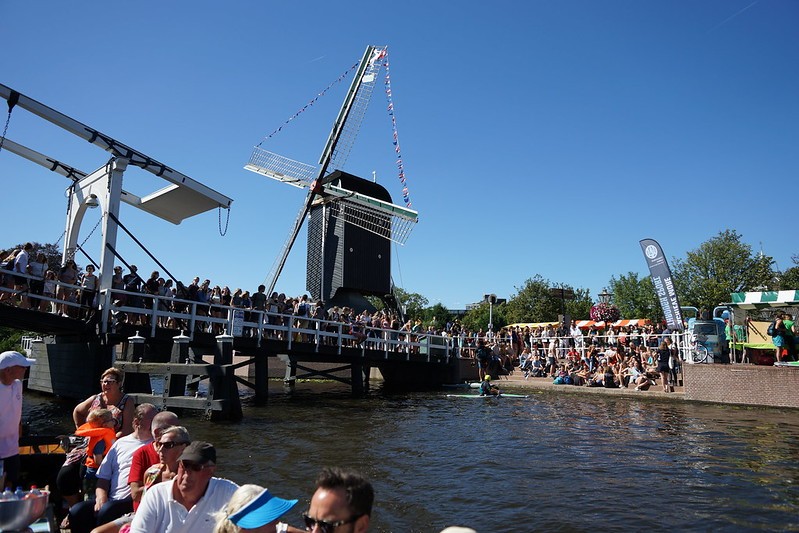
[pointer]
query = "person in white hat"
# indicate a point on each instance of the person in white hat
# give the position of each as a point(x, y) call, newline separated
point(12, 370)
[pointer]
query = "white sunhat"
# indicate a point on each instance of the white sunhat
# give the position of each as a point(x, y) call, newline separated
point(11, 358)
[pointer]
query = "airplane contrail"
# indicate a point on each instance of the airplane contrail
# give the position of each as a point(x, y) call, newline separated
point(725, 21)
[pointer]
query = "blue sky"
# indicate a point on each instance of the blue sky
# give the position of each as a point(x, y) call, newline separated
point(537, 137)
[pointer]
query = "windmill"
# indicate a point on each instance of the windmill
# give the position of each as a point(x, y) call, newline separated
point(352, 220)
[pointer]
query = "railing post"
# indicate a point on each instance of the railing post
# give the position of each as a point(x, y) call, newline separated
point(193, 319)
point(174, 384)
point(135, 382)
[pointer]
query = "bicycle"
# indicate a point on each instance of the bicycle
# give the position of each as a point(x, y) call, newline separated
point(699, 353)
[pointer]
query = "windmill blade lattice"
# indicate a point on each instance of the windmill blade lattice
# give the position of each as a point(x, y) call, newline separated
point(358, 110)
point(281, 168)
point(373, 220)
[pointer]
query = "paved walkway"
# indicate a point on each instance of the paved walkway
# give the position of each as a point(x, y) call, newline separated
point(517, 381)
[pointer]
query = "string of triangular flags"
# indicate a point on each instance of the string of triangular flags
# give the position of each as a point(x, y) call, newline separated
point(395, 139)
point(309, 104)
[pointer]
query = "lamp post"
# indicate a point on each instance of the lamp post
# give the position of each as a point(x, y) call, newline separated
point(605, 296)
point(491, 299)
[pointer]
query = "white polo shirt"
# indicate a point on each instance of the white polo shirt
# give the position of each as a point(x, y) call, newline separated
point(160, 512)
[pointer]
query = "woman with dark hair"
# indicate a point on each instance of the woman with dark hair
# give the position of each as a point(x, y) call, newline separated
point(664, 353)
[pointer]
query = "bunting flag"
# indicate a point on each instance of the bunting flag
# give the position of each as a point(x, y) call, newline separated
point(309, 104)
point(395, 135)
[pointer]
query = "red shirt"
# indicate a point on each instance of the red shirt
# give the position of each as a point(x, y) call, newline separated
point(143, 458)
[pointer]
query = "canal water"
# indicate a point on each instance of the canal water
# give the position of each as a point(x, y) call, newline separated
point(548, 462)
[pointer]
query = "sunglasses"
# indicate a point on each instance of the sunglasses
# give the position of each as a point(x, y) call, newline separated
point(108, 381)
point(169, 444)
point(325, 526)
point(194, 467)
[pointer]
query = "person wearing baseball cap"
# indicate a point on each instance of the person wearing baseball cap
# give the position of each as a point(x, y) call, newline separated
point(188, 503)
point(12, 370)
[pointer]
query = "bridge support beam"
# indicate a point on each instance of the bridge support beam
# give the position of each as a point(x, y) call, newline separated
point(175, 384)
point(224, 386)
point(261, 379)
point(356, 377)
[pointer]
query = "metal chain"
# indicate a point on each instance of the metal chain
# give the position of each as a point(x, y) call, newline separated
point(227, 221)
point(5, 130)
point(91, 232)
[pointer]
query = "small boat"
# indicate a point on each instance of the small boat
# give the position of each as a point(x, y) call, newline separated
point(40, 458)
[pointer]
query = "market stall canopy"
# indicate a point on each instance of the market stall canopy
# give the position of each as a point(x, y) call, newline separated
point(585, 324)
point(533, 325)
point(582, 324)
point(764, 299)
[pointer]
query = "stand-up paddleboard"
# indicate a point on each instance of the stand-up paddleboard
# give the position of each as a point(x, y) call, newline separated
point(461, 385)
point(501, 395)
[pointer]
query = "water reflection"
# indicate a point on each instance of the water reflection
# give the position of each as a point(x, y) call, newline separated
point(548, 462)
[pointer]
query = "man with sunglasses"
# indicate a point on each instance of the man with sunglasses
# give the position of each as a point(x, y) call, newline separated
point(147, 455)
point(342, 502)
point(187, 503)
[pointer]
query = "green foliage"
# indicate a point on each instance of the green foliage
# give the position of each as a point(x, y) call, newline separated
point(477, 318)
point(720, 266)
point(790, 278)
point(580, 307)
point(10, 339)
point(437, 316)
point(414, 303)
point(51, 251)
point(635, 297)
point(533, 302)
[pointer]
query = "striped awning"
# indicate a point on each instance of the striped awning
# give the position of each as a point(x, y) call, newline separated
point(761, 300)
point(583, 324)
point(533, 325)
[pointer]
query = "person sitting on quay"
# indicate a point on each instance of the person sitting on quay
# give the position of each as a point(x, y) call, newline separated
point(187, 503)
point(342, 497)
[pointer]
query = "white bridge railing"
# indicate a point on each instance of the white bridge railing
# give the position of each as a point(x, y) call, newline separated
point(192, 317)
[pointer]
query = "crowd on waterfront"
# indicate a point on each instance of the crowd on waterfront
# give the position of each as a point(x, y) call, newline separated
point(630, 356)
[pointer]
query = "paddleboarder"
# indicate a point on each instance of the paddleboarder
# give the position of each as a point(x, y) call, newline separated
point(487, 389)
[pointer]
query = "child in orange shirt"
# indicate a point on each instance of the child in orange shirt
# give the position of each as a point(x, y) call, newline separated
point(99, 427)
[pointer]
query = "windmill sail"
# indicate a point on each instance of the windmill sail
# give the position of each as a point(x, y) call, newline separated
point(381, 218)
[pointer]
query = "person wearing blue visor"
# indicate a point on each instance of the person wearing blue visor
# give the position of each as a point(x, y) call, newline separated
point(253, 508)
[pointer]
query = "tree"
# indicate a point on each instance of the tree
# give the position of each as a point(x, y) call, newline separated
point(719, 267)
point(436, 315)
point(790, 278)
point(414, 303)
point(51, 251)
point(477, 318)
point(635, 297)
point(11, 339)
point(533, 302)
point(580, 306)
